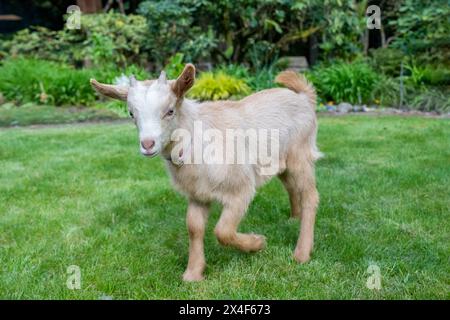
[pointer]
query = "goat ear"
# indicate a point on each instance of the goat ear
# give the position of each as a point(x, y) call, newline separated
point(162, 78)
point(109, 90)
point(185, 81)
point(133, 81)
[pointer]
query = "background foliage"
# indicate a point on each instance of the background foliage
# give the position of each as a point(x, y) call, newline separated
point(110, 38)
point(240, 44)
point(254, 31)
point(25, 80)
point(345, 82)
point(218, 86)
point(422, 29)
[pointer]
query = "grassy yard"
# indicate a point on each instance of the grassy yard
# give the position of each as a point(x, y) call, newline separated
point(82, 195)
point(36, 114)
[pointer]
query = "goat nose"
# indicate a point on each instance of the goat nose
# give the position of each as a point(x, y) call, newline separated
point(147, 144)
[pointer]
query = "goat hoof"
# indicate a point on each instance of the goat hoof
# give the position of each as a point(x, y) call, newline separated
point(190, 276)
point(258, 243)
point(301, 257)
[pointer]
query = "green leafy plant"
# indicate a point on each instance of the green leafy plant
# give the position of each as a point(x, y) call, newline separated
point(104, 38)
point(37, 42)
point(430, 100)
point(46, 82)
point(109, 73)
point(342, 25)
point(257, 80)
point(43, 82)
point(438, 75)
point(345, 82)
point(112, 38)
point(254, 31)
point(235, 70)
point(420, 75)
point(175, 66)
point(171, 29)
point(218, 86)
point(386, 92)
point(263, 79)
point(387, 60)
point(416, 75)
point(421, 29)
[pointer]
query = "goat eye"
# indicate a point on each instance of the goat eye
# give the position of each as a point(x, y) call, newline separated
point(131, 114)
point(170, 112)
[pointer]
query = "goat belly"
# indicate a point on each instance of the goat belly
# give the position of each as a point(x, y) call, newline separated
point(188, 181)
point(207, 183)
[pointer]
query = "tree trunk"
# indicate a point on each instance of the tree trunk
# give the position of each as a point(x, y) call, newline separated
point(383, 37)
point(90, 6)
point(110, 3)
point(365, 39)
point(313, 49)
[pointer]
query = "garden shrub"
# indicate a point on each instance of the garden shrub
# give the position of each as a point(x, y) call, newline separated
point(263, 79)
point(44, 82)
point(256, 32)
point(175, 66)
point(387, 60)
point(430, 99)
point(258, 80)
point(110, 73)
point(47, 82)
point(235, 70)
point(104, 38)
point(386, 92)
point(421, 29)
point(171, 30)
point(438, 75)
point(218, 86)
point(344, 82)
point(113, 38)
point(37, 42)
point(420, 75)
point(415, 75)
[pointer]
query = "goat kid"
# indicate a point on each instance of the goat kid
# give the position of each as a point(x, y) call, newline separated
point(159, 108)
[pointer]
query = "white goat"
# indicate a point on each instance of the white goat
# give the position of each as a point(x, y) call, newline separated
point(159, 109)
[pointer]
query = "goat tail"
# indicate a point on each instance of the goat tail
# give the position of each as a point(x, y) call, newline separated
point(316, 154)
point(297, 83)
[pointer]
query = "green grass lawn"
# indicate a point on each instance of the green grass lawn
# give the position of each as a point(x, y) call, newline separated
point(82, 195)
point(31, 114)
